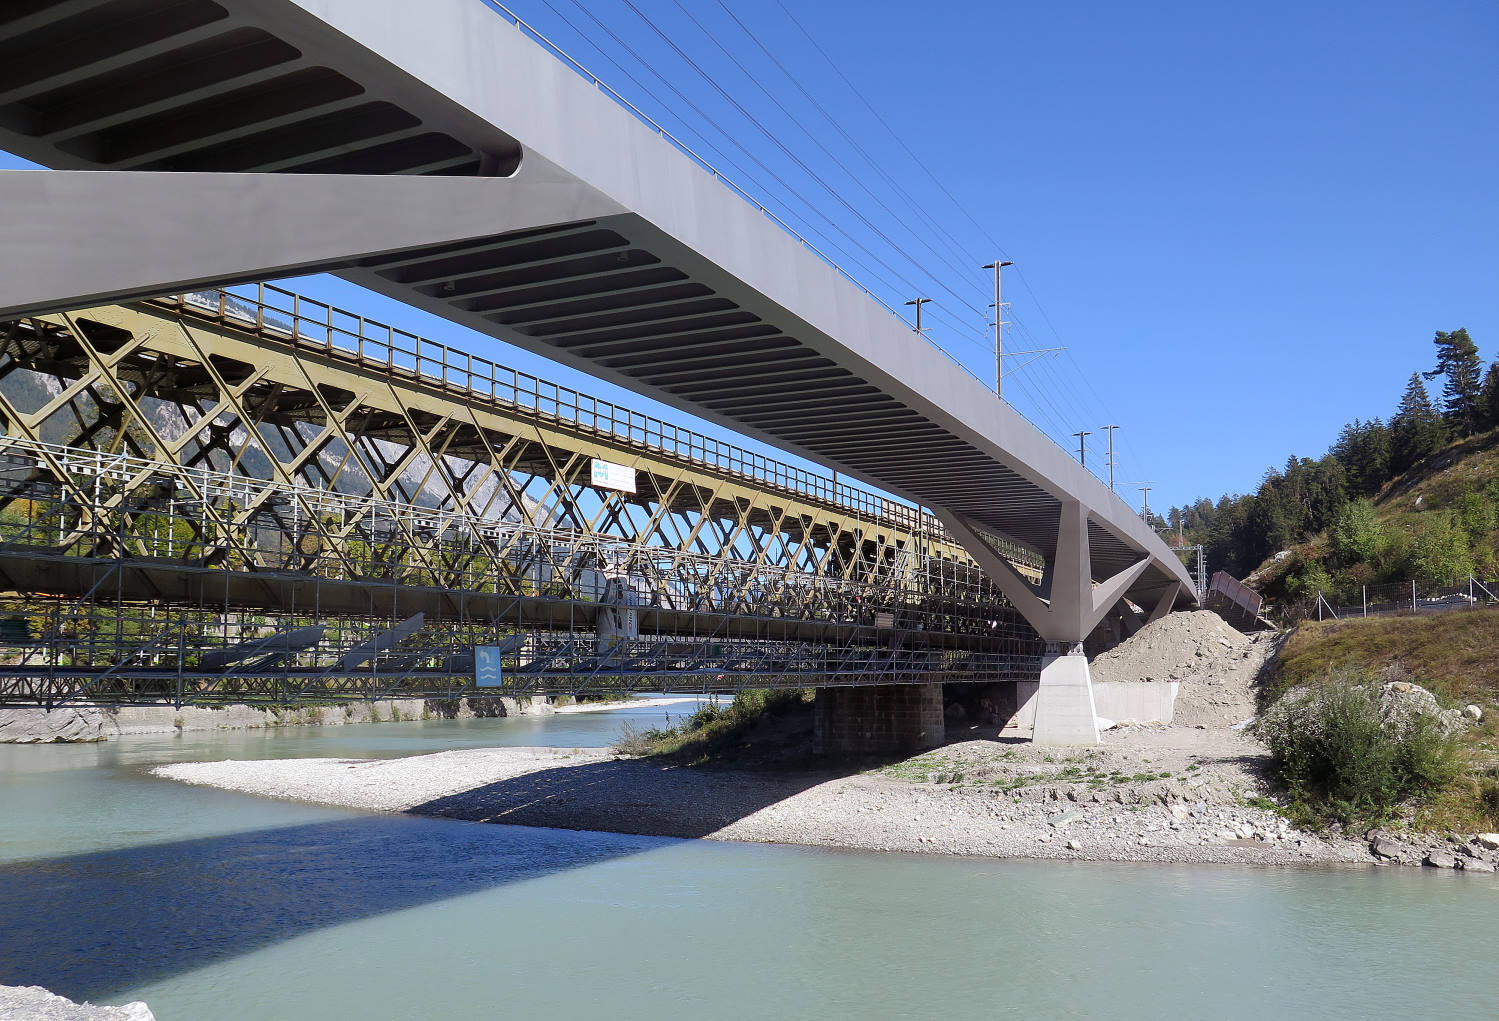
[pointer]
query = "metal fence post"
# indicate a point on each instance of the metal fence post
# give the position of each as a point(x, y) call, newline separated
point(1366, 600)
point(1319, 604)
point(1413, 595)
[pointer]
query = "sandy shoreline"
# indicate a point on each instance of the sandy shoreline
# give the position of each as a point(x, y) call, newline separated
point(882, 810)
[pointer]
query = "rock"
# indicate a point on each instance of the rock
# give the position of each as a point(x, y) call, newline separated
point(1064, 819)
point(1383, 847)
point(1473, 713)
point(1439, 860)
point(1488, 841)
point(1073, 845)
point(1476, 865)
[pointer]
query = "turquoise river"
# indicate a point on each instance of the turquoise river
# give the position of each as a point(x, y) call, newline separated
point(211, 906)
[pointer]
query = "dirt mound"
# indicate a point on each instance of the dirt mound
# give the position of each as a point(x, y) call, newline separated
point(1216, 665)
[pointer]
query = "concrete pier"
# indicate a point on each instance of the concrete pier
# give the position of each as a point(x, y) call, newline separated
point(887, 719)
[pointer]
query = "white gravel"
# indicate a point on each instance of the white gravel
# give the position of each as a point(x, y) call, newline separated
point(979, 798)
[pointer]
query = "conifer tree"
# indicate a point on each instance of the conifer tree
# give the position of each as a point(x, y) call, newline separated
point(1416, 430)
point(1489, 397)
point(1457, 359)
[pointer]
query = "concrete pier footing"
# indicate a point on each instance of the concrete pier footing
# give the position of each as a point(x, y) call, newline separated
point(1065, 713)
point(879, 720)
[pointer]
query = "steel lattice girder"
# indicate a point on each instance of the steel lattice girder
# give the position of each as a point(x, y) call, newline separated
point(223, 460)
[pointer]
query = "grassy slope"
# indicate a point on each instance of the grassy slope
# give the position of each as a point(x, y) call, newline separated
point(1439, 480)
point(1454, 654)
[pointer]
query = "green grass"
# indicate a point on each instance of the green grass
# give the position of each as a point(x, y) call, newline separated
point(758, 724)
point(1454, 654)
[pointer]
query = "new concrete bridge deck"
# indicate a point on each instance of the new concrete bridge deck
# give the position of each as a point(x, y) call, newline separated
point(439, 154)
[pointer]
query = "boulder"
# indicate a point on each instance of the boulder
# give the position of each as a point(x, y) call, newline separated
point(1473, 713)
point(1384, 847)
point(1439, 860)
point(1488, 841)
point(1476, 865)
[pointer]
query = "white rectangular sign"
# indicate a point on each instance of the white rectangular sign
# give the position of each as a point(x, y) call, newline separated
point(607, 475)
point(487, 666)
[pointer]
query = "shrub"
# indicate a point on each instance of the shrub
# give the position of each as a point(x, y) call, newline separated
point(1340, 761)
point(1356, 536)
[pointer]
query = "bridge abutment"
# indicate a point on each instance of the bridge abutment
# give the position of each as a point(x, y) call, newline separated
point(878, 720)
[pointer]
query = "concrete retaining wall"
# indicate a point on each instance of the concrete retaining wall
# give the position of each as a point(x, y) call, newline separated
point(38, 726)
point(1119, 701)
point(1135, 701)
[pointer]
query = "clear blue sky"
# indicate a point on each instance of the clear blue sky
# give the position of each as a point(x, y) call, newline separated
point(1245, 222)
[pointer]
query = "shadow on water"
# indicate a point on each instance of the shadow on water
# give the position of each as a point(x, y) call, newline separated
point(89, 925)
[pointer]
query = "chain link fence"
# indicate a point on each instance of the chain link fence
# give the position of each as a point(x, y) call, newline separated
point(1401, 597)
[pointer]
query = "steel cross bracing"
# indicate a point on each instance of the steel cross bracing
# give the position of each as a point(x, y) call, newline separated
point(222, 473)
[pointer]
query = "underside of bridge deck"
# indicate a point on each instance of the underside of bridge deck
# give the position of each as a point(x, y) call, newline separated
point(438, 154)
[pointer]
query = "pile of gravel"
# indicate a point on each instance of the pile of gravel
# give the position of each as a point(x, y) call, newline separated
point(1217, 666)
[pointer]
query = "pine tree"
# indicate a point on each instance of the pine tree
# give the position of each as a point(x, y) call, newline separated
point(1457, 359)
point(1489, 398)
point(1416, 430)
point(1363, 449)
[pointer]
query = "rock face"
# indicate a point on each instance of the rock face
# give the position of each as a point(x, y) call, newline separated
point(37, 1004)
point(41, 726)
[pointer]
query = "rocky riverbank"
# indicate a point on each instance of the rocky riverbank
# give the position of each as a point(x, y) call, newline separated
point(34, 1003)
point(979, 798)
point(1195, 791)
point(83, 725)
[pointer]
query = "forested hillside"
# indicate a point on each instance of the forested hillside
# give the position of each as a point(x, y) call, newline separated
point(1412, 497)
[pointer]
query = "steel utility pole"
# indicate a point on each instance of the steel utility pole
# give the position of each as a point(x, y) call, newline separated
point(999, 330)
point(1145, 503)
point(918, 302)
point(1082, 449)
point(1110, 430)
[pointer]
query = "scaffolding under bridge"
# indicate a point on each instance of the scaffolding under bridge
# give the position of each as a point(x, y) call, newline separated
point(254, 498)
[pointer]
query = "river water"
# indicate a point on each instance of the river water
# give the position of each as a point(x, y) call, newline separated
point(115, 885)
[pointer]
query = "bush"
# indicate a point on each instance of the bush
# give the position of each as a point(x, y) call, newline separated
point(1341, 761)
